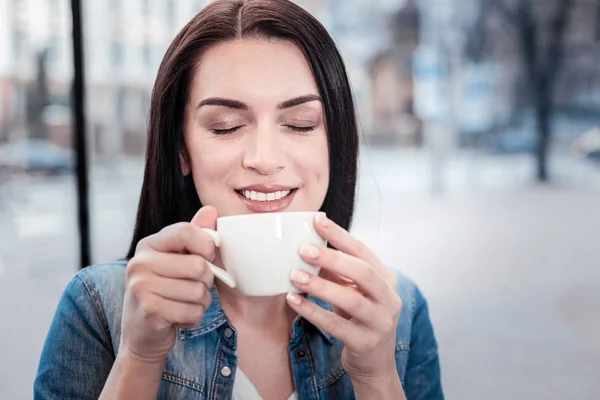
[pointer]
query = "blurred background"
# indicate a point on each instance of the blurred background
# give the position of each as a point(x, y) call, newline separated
point(479, 172)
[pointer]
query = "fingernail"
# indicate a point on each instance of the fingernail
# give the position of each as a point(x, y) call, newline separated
point(309, 251)
point(299, 276)
point(294, 298)
point(323, 220)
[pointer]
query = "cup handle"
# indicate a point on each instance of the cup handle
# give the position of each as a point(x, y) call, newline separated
point(218, 272)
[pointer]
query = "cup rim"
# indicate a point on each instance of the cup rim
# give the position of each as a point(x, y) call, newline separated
point(256, 215)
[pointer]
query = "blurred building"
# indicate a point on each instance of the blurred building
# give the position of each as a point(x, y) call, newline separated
point(124, 44)
point(379, 40)
point(391, 79)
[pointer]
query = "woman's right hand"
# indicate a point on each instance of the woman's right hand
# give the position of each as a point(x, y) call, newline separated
point(168, 287)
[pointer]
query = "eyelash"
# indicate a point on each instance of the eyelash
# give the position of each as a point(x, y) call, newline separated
point(302, 129)
point(226, 131)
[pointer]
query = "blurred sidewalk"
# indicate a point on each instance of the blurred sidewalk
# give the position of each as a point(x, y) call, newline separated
point(510, 269)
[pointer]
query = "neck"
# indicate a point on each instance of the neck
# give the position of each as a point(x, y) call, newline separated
point(271, 314)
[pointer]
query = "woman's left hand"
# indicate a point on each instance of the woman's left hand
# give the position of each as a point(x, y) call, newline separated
point(363, 293)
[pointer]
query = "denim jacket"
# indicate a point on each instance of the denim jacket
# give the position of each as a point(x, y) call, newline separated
point(83, 341)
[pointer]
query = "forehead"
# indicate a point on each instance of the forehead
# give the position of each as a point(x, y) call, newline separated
point(253, 70)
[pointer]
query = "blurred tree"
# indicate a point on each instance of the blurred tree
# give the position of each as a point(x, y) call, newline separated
point(38, 98)
point(538, 32)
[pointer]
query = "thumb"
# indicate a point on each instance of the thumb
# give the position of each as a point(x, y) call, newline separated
point(206, 217)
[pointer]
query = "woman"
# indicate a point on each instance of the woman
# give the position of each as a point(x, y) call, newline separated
point(251, 95)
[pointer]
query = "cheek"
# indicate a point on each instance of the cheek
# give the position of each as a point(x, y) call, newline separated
point(320, 166)
point(210, 167)
point(322, 171)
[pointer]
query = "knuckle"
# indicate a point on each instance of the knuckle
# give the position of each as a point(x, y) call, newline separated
point(137, 286)
point(204, 271)
point(388, 324)
point(367, 272)
point(334, 324)
point(311, 313)
point(184, 230)
point(157, 323)
point(357, 304)
point(199, 294)
point(198, 268)
point(374, 342)
point(141, 245)
point(207, 276)
point(132, 267)
point(190, 317)
point(397, 304)
point(208, 246)
point(150, 309)
point(138, 263)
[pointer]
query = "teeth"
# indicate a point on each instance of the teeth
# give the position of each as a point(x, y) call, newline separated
point(259, 196)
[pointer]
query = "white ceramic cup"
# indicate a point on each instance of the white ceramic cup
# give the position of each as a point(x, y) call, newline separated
point(260, 251)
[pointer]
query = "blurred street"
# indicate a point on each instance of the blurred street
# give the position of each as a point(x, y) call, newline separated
point(510, 268)
point(458, 101)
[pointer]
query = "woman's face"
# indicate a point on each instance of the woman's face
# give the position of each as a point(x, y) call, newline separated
point(255, 130)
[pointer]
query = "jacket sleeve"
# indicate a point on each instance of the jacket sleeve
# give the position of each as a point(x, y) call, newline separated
point(77, 355)
point(423, 376)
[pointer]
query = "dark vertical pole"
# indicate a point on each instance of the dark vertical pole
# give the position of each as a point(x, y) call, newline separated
point(78, 99)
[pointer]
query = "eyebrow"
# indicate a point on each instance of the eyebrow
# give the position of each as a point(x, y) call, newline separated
point(238, 105)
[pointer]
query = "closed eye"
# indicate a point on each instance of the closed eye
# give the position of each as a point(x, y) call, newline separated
point(300, 128)
point(226, 131)
point(235, 128)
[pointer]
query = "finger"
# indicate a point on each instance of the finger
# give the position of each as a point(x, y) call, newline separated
point(363, 274)
point(333, 277)
point(181, 290)
point(168, 265)
point(351, 302)
point(340, 280)
point(180, 314)
point(206, 217)
point(182, 237)
point(342, 329)
point(340, 239)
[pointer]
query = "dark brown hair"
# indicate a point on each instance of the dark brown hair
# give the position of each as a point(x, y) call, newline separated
point(167, 196)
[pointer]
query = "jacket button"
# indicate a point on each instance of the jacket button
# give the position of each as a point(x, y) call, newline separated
point(228, 333)
point(226, 371)
point(301, 354)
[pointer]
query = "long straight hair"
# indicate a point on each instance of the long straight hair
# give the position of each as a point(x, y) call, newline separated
point(167, 196)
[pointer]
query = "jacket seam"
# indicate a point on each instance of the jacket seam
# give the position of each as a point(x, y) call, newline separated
point(178, 380)
point(217, 369)
point(312, 367)
point(337, 375)
point(402, 346)
point(191, 333)
point(340, 372)
point(95, 297)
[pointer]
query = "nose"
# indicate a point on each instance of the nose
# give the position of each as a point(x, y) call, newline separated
point(263, 153)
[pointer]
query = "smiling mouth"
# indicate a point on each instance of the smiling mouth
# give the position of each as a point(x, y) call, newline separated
point(265, 197)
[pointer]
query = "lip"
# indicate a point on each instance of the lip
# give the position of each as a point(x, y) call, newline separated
point(267, 188)
point(267, 206)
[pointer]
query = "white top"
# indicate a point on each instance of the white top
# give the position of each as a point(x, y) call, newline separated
point(243, 389)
